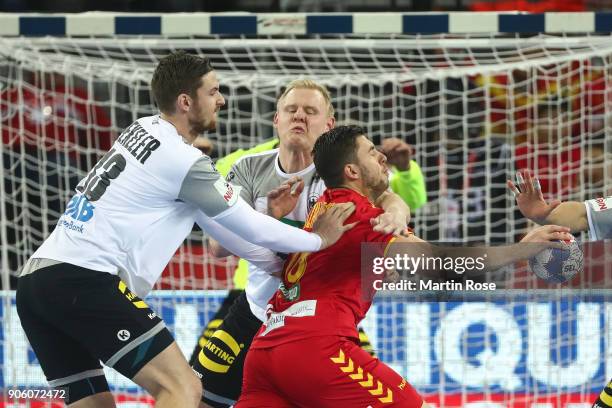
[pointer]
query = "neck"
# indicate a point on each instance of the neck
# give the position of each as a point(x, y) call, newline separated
point(181, 125)
point(361, 189)
point(293, 161)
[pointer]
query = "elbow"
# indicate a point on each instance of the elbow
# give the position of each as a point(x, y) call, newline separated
point(215, 249)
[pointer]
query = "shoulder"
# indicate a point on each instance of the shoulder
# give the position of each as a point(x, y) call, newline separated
point(173, 157)
point(260, 158)
point(254, 163)
point(224, 164)
point(169, 137)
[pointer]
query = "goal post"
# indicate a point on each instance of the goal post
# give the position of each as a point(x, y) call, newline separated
point(478, 95)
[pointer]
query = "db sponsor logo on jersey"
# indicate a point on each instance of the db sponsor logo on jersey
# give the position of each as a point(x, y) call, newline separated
point(219, 353)
point(227, 191)
point(79, 208)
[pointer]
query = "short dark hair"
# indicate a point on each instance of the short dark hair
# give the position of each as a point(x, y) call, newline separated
point(175, 74)
point(333, 150)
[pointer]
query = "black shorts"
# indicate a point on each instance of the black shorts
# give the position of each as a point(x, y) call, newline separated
point(75, 317)
point(216, 321)
point(220, 361)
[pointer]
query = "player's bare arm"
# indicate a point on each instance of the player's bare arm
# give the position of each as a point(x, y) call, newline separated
point(396, 217)
point(538, 239)
point(532, 205)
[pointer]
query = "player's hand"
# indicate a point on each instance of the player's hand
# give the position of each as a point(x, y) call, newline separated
point(548, 236)
point(392, 275)
point(398, 152)
point(283, 199)
point(529, 197)
point(388, 223)
point(330, 224)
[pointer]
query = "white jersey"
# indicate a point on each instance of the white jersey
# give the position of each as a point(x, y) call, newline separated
point(256, 175)
point(599, 214)
point(134, 208)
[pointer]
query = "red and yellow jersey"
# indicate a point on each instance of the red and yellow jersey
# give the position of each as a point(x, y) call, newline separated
point(320, 293)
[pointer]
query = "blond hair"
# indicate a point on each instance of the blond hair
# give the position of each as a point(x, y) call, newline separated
point(309, 84)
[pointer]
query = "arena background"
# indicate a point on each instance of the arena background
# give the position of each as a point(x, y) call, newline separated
point(468, 90)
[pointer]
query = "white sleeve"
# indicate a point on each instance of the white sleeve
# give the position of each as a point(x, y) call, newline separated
point(266, 231)
point(261, 257)
point(599, 215)
point(204, 187)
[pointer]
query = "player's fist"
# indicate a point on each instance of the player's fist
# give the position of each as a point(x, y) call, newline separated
point(398, 152)
point(388, 223)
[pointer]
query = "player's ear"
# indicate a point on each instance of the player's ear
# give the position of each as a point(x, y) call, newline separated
point(331, 122)
point(183, 102)
point(275, 120)
point(351, 172)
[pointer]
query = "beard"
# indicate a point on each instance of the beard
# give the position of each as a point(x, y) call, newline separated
point(376, 185)
point(201, 125)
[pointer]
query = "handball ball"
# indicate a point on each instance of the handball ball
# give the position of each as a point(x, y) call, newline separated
point(558, 265)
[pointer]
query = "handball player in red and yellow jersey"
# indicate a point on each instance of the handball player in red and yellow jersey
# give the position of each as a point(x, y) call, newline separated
point(307, 354)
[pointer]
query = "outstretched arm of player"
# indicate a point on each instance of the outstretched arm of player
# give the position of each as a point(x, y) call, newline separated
point(270, 233)
point(204, 188)
point(535, 241)
point(217, 250)
point(261, 257)
point(532, 205)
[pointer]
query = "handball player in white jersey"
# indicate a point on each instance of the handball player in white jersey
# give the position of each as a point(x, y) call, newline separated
point(594, 216)
point(79, 295)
